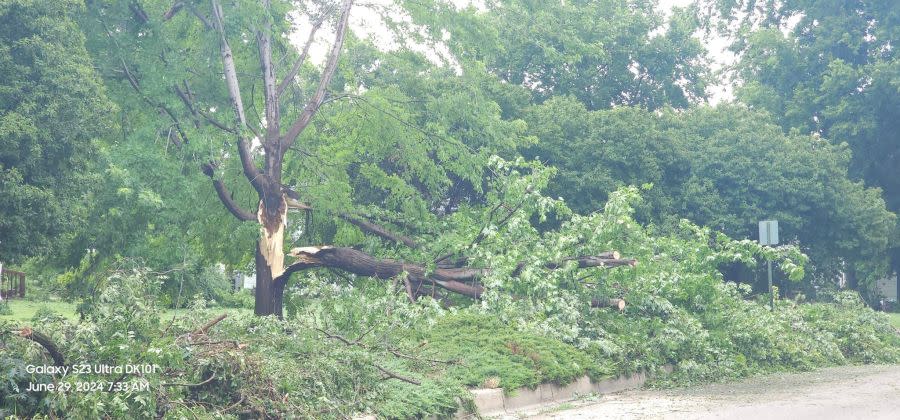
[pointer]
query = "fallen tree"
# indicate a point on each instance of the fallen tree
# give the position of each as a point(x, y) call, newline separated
point(461, 280)
point(46, 342)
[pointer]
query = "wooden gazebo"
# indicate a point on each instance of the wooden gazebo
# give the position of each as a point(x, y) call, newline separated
point(12, 284)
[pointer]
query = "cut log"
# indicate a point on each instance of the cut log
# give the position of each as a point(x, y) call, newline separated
point(608, 303)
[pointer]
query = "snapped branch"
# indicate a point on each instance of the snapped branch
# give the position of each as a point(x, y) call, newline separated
point(462, 280)
point(293, 201)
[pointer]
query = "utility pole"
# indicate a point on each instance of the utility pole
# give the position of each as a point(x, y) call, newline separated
point(771, 294)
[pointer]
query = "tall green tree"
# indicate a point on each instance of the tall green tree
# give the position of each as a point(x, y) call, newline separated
point(53, 110)
point(366, 151)
point(828, 67)
point(201, 65)
point(725, 167)
point(603, 52)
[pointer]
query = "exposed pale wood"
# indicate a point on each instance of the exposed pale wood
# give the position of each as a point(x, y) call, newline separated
point(272, 110)
point(270, 259)
point(234, 92)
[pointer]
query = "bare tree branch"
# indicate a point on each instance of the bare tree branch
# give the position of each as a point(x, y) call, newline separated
point(389, 374)
point(173, 10)
point(299, 63)
point(272, 111)
point(188, 98)
point(231, 80)
point(379, 231)
point(139, 12)
point(234, 91)
point(46, 342)
point(200, 16)
point(205, 328)
point(293, 201)
point(225, 197)
point(208, 380)
point(392, 375)
point(132, 80)
point(187, 103)
point(330, 66)
point(459, 280)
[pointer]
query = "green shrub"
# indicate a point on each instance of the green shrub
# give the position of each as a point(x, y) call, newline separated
point(487, 348)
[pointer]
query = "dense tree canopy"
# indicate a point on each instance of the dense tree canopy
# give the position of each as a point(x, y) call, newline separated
point(404, 143)
point(401, 140)
point(512, 193)
point(828, 67)
point(52, 111)
point(725, 167)
point(604, 52)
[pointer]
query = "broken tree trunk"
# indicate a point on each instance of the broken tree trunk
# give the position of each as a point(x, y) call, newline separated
point(270, 258)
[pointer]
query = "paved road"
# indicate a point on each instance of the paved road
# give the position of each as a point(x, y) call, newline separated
point(858, 392)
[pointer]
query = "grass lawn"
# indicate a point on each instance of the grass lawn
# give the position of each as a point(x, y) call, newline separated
point(24, 310)
point(895, 319)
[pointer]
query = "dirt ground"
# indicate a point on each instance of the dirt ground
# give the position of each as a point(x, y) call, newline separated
point(856, 392)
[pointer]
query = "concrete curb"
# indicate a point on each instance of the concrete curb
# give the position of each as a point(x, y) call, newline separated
point(492, 402)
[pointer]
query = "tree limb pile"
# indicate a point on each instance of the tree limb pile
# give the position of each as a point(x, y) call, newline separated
point(463, 280)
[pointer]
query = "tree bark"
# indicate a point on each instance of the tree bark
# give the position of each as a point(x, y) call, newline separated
point(45, 342)
point(608, 303)
point(231, 79)
point(265, 291)
point(377, 230)
point(462, 280)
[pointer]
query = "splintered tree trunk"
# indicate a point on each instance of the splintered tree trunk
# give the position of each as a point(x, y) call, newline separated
point(270, 258)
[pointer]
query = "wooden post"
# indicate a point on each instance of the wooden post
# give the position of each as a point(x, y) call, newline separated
point(22, 285)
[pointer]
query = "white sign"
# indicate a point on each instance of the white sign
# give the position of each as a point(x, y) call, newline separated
point(768, 232)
